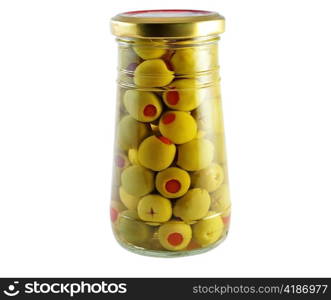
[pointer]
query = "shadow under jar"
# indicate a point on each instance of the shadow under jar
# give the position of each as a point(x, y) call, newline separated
point(170, 194)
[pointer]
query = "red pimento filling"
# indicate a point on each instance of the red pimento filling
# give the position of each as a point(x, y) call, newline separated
point(173, 186)
point(120, 162)
point(113, 214)
point(175, 239)
point(164, 140)
point(226, 220)
point(150, 110)
point(169, 118)
point(173, 97)
point(192, 245)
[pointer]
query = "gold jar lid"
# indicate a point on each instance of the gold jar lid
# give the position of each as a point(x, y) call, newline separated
point(167, 24)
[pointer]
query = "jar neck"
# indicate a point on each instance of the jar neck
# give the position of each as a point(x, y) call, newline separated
point(169, 43)
point(195, 58)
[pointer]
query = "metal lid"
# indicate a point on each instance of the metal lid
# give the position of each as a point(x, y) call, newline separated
point(167, 24)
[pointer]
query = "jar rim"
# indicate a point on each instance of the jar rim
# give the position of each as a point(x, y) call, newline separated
point(167, 24)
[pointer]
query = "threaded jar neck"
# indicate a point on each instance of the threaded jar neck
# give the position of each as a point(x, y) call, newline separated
point(195, 59)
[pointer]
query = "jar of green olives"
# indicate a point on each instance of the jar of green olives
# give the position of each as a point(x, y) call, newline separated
point(170, 193)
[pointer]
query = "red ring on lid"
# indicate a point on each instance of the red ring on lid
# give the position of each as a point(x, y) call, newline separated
point(168, 24)
point(167, 13)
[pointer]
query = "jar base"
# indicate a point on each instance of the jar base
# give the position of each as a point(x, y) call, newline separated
point(170, 254)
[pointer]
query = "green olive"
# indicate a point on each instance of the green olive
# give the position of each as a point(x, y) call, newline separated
point(154, 208)
point(131, 132)
point(221, 202)
point(137, 181)
point(172, 182)
point(132, 230)
point(209, 178)
point(156, 153)
point(128, 200)
point(208, 230)
point(153, 73)
point(193, 205)
point(175, 235)
point(195, 155)
point(142, 106)
point(150, 49)
point(133, 156)
point(184, 94)
point(192, 60)
point(178, 126)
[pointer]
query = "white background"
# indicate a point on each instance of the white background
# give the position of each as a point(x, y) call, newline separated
point(57, 100)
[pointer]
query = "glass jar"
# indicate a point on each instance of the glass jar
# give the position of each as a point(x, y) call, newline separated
point(170, 194)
